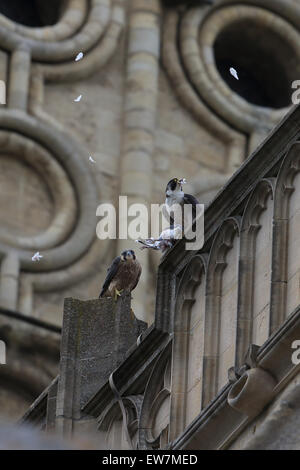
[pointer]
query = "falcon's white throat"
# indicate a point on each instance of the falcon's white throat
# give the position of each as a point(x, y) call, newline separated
point(174, 197)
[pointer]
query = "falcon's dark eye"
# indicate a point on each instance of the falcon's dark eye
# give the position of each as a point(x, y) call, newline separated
point(172, 184)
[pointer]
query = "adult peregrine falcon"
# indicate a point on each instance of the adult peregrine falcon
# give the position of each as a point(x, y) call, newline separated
point(176, 196)
point(123, 275)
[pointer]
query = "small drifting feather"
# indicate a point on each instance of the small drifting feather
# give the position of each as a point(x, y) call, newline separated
point(234, 73)
point(79, 56)
point(92, 160)
point(37, 256)
point(78, 98)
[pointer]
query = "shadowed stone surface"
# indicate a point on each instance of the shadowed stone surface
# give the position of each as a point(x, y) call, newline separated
point(96, 336)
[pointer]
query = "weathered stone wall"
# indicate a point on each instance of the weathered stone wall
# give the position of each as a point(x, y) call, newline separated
point(155, 104)
point(144, 116)
point(217, 368)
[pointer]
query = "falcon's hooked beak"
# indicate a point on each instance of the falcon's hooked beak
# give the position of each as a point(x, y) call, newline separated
point(175, 185)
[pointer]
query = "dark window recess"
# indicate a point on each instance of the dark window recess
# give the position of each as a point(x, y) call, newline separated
point(188, 3)
point(34, 13)
point(265, 63)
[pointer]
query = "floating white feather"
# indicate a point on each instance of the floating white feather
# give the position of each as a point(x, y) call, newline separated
point(36, 256)
point(79, 56)
point(234, 73)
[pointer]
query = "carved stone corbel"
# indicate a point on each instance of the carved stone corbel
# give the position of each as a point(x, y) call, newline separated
point(253, 390)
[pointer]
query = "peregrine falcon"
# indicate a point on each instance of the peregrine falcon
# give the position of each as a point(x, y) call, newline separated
point(123, 275)
point(176, 196)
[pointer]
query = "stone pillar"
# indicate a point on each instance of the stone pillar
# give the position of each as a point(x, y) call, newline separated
point(25, 295)
point(139, 123)
point(96, 335)
point(9, 281)
point(20, 64)
point(3, 77)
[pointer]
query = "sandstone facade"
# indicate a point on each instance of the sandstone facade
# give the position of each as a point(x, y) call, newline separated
point(157, 102)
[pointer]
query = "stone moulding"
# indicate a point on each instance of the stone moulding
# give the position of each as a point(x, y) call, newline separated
point(33, 56)
point(234, 109)
point(251, 200)
point(156, 398)
point(91, 27)
point(203, 433)
point(132, 408)
point(37, 412)
point(286, 8)
point(283, 191)
point(71, 20)
point(193, 276)
point(96, 58)
point(190, 99)
point(96, 336)
point(70, 248)
point(236, 191)
point(61, 190)
point(66, 49)
point(252, 392)
point(218, 424)
point(71, 157)
point(188, 57)
point(256, 204)
point(274, 357)
point(223, 242)
point(129, 376)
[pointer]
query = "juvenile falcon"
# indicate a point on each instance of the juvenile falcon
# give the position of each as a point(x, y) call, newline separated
point(123, 275)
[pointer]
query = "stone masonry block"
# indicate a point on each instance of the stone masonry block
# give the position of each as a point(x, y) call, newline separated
point(95, 338)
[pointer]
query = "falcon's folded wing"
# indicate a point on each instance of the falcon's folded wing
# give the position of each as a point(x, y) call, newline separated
point(111, 272)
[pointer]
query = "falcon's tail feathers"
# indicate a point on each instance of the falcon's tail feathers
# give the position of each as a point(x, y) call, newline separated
point(101, 293)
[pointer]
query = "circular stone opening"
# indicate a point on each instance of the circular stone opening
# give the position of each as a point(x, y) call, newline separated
point(266, 65)
point(33, 13)
point(26, 205)
point(237, 388)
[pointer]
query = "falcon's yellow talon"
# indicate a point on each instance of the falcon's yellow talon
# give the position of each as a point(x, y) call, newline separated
point(118, 293)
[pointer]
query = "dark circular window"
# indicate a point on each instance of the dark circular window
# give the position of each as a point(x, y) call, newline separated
point(265, 63)
point(34, 13)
